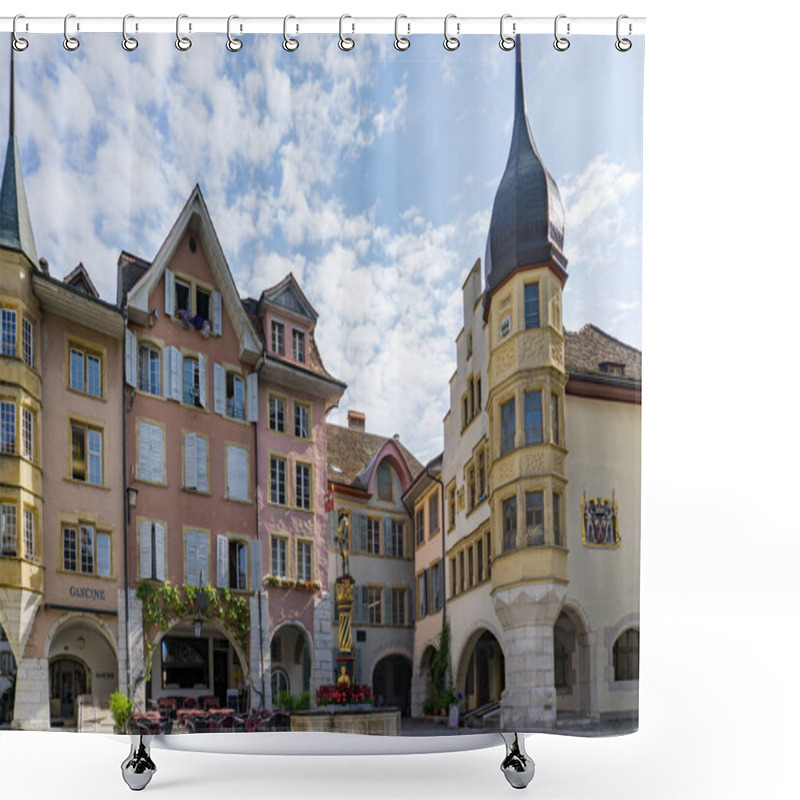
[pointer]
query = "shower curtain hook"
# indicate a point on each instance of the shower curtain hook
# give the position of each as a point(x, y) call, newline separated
point(128, 42)
point(182, 42)
point(19, 42)
point(233, 44)
point(507, 42)
point(400, 42)
point(561, 43)
point(451, 42)
point(623, 45)
point(289, 44)
point(70, 42)
point(345, 42)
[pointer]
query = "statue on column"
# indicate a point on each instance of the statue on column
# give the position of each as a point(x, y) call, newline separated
point(343, 540)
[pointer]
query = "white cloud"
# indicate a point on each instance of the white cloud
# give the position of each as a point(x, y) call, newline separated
point(387, 120)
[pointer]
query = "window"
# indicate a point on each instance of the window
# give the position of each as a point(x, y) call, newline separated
point(453, 582)
point(626, 656)
point(451, 508)
point(481, 476)
point(533, 418)
point(277, 338)
point(556, 519)
point(183, 294)
point(278, 557)
point(277, 480)
point(302, 417)
point(277, 414)
point(471, 488)
point(436, 585)
point(8, 530)
point(237, 566)
point(29, 534)
point(488, 548)
point(396, 536)
point(399, 606)
point(191, 382)
point(422, 593)
point(420, 525)
point(302, 486)
point(87, 454)
point(299, 346)
point(478, 399)
point(509, 524)
point(471, 397)
point(507, 426)
point(534, 519)
point(375, 605)
point(152, 550)
point(238, 473)
point(433, 513)
point(479, 559)
point(304, 572)
point(184, 662)
point(195, 462)
point(279, 681)
point(531, 305)
point(373, 536)
point(461, 572)
point(150, 440)
point(554, 417)
point(470, 567)
point(7, 664)
point(464, 411)
point(197, 571)
point(469, 343)
point(149, 370)
point(27, 341)
point(202, 303)
point(8, 328)
point(234, 396)
point(83, 551)
point(385, 487)
point(8, 428)
point(27, 434)
point(85, 372)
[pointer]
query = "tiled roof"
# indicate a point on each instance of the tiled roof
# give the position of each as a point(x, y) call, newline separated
point(588, 348)
point(130, 269)
point(351, 450)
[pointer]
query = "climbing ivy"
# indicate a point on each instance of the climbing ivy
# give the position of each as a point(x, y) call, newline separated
point(163, 604)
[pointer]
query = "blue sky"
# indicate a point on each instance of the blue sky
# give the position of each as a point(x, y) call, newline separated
point(369, 174)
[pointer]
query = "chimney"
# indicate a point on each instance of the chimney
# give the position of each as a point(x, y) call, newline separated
point(356, 420)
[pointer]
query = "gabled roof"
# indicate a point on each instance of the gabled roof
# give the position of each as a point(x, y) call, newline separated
point(588, 348)
point(130, 269)
point(79, 279)
point(288, 294)
point(351, 453)
point(195, 216)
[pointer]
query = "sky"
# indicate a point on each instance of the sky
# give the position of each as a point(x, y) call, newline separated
point(369, 174)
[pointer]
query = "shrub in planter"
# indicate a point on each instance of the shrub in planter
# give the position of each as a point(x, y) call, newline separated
point(122, 711)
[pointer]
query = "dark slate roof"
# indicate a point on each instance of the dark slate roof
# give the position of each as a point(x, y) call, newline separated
point(527, 225)
point(352, 450)
point(130, 269)
point(16, 232)
point(588, 348)
point(79, 279)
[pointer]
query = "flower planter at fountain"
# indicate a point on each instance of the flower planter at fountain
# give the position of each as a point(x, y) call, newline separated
point(355, 718)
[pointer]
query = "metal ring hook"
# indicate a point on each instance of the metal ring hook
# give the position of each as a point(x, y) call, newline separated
point(345, 42)
point(623, 45)
point(451, 42)
point(233, 44)
point(289, 44)
point(19, 42)
point(70, 42)
point(561, 43)
point(400, 42)
point(183, 43)
point(128, 42)
point(507, 42)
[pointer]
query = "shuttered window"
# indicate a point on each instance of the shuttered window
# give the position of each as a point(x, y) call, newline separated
point(197, 572)
point(151, 452)
point(195, 462)
point(238, 473)
point(149, 364)
point(152, 550)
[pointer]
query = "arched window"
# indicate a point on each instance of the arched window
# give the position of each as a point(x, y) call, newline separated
point(385, 482)
point(280, 683)
point(626, 656)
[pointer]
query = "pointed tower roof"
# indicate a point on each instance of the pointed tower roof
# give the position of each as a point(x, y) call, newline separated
point(527, 224)
point(16, 232)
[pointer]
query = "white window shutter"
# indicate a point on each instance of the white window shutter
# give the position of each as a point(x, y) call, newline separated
point(201, 453)
point(252, 397)
point(192, 565)
point(156, 454)
point(168, 374)
point(190, 461)
point(144, 451)
point(219, 389)
point(201, 369)
point(222, 562)
point(131, 354)
point(255, 566)
point(160, 544)
point(202, 558)
point(177, 374)
point(169, 292)
point(145, 550)
point(217, 311)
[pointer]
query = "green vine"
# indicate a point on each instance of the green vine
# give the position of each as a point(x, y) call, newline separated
point(163, 604)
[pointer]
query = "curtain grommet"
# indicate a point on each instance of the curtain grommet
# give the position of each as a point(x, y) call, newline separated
point(561, 43)
point(70, 43)
point(623, 45)
point(451, 43)
point(128, 42)
point(289, 43)
point(183, 43)
point(18, 42)
point(345, 42)
point(507, 42)
point(233, 44)
point(401, 43)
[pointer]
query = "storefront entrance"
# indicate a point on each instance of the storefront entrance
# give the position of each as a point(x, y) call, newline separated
point(68, 681)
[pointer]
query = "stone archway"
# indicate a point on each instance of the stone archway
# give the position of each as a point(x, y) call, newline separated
point(481, 670)
point(291, 651)
point(391, 682)
point(571, 666)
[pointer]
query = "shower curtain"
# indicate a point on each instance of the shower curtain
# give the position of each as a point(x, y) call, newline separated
point(321, 392)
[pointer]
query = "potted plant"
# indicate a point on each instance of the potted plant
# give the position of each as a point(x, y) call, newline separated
point(122, 711)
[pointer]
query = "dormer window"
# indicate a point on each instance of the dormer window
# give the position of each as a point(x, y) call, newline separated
point(277, 338)
point(299, 345)
point(183, 295)
point(613, 368)
point(202, 303)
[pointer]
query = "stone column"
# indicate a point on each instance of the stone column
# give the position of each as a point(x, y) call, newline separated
point(418, 694)
point(528, 613)
point(322, 670)
point(261, 692)
point(32, 699)
point(122, 644)
point(137, 655)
